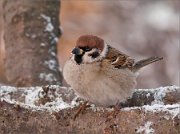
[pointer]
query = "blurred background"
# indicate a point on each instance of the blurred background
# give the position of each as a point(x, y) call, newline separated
point(139, 28)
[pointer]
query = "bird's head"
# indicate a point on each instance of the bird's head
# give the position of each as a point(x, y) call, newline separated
point(88, 49)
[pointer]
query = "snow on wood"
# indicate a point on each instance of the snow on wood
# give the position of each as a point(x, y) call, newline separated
point(146, 128)
point(33, 94)
point(53, 107)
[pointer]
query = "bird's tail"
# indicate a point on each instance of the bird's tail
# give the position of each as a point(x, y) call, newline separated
point(139, 64)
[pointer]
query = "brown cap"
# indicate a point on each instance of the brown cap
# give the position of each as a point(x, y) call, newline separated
point(90, 41)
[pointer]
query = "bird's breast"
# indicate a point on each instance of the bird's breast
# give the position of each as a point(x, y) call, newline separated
point(78, 76)
point(99, 86)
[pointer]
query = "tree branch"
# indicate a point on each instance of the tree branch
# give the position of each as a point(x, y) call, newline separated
point(50, 109)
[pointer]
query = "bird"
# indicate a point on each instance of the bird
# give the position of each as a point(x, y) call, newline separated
point(101, 74)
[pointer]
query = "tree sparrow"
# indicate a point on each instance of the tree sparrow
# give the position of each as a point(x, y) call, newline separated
point(100, 73)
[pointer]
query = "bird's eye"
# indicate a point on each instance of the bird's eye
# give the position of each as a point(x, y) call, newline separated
point(94, 54)
point(86, 49)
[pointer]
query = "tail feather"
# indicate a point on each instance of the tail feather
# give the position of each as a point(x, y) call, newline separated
point(139, 64)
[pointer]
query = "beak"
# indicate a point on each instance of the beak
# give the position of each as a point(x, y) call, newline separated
point(77, 51)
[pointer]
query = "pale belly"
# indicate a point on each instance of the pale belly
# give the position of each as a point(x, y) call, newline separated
point(99, 87)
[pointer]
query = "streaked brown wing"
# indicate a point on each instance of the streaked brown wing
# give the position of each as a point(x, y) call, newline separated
point(119, 59)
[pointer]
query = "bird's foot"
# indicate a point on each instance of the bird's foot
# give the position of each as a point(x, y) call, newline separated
point(114, 113)
point(81, 109)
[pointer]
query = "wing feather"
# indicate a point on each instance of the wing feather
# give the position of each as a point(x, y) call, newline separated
point(119, 59)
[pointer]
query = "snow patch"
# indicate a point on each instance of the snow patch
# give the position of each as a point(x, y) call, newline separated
point(171, 111)
point(34, 94)
point(157, 105)
point(42, 44)
point(47, 77)
point(56, 39)
point(52, 64)
point(54, 106)
point(49, 26)
point(53, 54)
point(146, 128)
point(5, 91)
point(159, 93)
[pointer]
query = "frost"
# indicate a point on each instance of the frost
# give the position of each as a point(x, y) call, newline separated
point(56, 105)
point(148, 95)
point(49, 26)
point(158, 105)
point(47, 77)
point(159, 93)
point(5, 91)
point(53, 54)
point(146, 128)
point(172, 110)
point(42, 44)
point(33, 94)
point(47, 18)
point(56, 39)
point(52, 64)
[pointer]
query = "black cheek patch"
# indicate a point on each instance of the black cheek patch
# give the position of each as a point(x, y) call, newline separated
point(78, 59)
point(94, 54)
